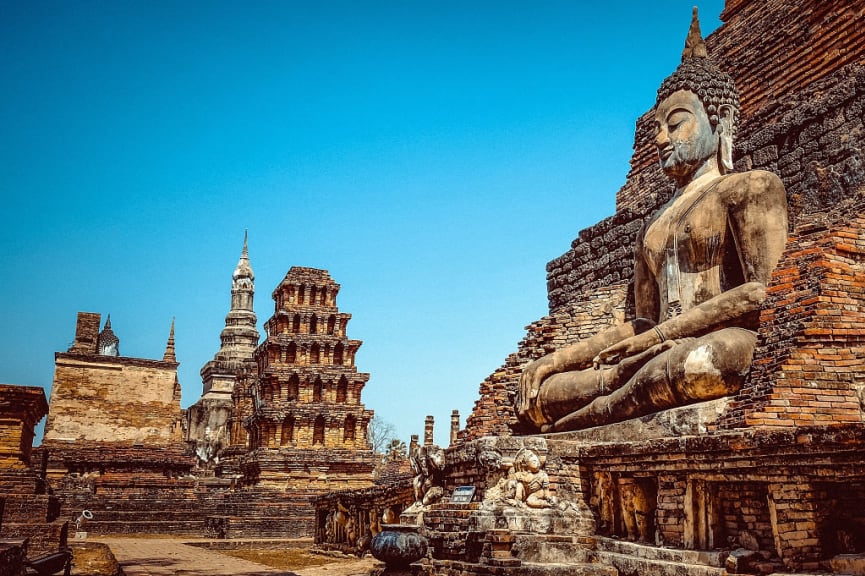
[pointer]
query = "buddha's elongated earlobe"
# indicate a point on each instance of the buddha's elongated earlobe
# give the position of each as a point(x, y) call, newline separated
point(725, 138)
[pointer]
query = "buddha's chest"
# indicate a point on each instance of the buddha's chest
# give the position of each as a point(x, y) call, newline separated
point(684, 248)
point(694, 233)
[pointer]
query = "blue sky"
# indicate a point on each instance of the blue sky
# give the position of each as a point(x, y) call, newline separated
point(433, 156)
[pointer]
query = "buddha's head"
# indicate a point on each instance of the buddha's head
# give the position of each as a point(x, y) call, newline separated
point(696, 113)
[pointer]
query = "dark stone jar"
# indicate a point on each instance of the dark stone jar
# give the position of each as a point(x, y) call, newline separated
point(398, 545)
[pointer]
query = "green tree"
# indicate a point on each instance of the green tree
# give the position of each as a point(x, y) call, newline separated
point(395, 451)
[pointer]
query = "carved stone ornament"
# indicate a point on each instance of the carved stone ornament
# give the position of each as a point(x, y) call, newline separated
point(526, 483)
point(428, 463)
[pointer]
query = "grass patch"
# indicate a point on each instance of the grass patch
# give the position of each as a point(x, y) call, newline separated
point(285, 559)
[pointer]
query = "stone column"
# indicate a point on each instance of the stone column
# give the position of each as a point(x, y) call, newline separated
point(794, 507)
point(428, 431)
point(455, 426)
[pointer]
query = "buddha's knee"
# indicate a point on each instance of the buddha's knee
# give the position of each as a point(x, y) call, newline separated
point(715, 365)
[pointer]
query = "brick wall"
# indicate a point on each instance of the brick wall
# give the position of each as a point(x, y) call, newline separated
point(809, 366)
point(600, 256)
point(113, 399)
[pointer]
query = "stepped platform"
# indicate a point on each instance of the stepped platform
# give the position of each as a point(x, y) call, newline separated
point(155, 505)
point(516, 568)
point(258, 512)
point(634, 559)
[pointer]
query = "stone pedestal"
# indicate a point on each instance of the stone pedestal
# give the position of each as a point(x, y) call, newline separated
point(525, 520)
point(688, 420)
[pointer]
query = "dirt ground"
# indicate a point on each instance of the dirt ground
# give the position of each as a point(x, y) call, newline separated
point(172, 556)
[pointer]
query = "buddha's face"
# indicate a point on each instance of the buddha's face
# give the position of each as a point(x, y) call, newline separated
point(683, 135)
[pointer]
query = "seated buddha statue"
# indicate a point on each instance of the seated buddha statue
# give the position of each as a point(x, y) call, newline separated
point(702, 263)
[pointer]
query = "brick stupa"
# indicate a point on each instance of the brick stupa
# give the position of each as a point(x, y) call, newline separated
point(299, 428)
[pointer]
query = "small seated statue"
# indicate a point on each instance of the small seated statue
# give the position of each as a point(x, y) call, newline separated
point(526, 483)
point(702, 263)
point(532, 483)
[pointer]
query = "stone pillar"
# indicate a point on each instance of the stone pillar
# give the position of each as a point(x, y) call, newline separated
point(86, 333)
point(428, 431)
point(793, 511)
point(455, 426)
point(670, 515)
point(412, 445)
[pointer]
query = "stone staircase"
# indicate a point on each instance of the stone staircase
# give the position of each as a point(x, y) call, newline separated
point(633, 559)
point(144, 506)
point(261, 513)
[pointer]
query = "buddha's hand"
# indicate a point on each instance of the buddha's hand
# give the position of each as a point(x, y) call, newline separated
point(627, 348)
point(530, 383)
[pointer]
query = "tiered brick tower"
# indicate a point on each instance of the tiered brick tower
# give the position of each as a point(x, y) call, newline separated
point(207, 419)
point(308, 422)
point(298, 427)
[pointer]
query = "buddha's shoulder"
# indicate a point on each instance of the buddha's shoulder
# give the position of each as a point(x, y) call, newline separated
point(744, 185)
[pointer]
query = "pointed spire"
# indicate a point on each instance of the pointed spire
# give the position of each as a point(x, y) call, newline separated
point(243, 271)
point(694, 45)
point(169, 347)
point(108, 322)
point(239, 338)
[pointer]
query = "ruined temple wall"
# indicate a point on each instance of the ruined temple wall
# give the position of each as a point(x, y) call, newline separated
point(21, 409)
point(801, 81)
point(26, 510)
point(365, 508)
point(113, 399)
point(795, 494)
